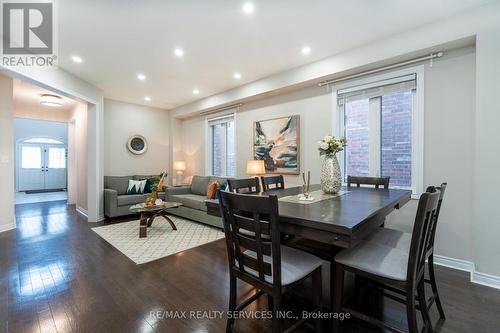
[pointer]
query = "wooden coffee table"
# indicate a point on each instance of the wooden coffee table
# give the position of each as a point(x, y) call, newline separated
point(148, 214)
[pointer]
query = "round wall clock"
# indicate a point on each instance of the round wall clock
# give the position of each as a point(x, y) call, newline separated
point(137, 144)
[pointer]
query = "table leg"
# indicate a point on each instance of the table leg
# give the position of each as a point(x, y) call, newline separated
point(151, 219)
point(165, 216)
point(143, 227)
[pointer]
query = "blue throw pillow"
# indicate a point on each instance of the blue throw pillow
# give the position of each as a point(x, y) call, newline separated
point(222, 187)
point(147, 187)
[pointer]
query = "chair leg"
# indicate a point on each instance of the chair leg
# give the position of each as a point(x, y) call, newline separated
point(317, 301)
point(336, 294)
point(411, 310)
point(270, 302)
point(232, 303)
point(423, 306)
point(276, 315)
point(432, 277)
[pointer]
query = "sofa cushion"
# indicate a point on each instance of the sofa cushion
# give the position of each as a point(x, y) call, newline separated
point(128, 200)
point(140, 177)
point(119, 184)
point(190, 201)
point(199, 185)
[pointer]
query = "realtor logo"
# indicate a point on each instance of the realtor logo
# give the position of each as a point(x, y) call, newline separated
point(28, 33)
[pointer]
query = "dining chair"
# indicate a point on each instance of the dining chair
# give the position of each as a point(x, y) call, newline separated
point(377, 181)
point(245, 185)
point(262, 261)
point(273, 183)
point(392, 268)
point(402, 240)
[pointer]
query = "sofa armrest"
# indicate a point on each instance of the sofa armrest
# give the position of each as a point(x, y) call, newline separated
point(110, 202)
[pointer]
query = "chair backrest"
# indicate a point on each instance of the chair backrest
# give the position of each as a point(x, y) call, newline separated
point(421, 239)
point(273, 183)
point(377, 181)
point(250, 223)
point(431, 189)
point(246, 185)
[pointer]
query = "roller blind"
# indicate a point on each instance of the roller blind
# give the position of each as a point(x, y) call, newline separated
point(378, 88)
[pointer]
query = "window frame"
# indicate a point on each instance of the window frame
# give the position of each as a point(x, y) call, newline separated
point(209, 143)
point(417, 168)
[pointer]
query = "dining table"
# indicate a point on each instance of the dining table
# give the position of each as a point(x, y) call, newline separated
point(341, 220)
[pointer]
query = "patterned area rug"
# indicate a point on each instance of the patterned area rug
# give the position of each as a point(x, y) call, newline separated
point(161, 241)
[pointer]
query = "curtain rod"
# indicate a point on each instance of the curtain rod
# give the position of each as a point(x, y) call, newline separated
point(381, 69)
point(204, 113)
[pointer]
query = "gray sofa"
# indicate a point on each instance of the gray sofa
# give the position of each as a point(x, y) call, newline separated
point(193, 199)
point(116, 200)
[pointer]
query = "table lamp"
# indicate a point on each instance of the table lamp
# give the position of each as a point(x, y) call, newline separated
point(256, 167)
point(179, 168)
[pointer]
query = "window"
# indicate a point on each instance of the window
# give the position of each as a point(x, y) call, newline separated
point(43, 140)
point(222, 159)
point(31, 157)
point(57, 158)
point(379, 120)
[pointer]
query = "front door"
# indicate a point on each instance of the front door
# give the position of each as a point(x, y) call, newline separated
point(42, 167)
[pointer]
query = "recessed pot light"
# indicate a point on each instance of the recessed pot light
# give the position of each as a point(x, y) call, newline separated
point(141, 76)
point(178, 53)
point(237, 76)
point(306, 50)
point(77, 59)
point(196, 91)
point(147, 99)
point(248, 8)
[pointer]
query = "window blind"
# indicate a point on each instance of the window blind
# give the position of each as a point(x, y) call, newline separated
point(377, 88)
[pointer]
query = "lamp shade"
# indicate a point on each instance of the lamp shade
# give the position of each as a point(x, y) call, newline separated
point(256, 167)
point(179, 166)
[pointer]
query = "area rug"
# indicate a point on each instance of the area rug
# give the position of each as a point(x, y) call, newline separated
point(161, 240)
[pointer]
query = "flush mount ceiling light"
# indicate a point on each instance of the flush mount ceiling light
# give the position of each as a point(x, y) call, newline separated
point(51, 100)
point(141, 76)
point(77, 59)
point(248, 8)
point(306, 50)
point(178, 53)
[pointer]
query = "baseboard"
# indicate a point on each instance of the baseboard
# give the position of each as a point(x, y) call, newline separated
point(82, 211)
point(7, 227)
point(484, 279)
point(461, 265)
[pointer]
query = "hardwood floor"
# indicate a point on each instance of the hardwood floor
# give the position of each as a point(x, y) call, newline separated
point(57, 275)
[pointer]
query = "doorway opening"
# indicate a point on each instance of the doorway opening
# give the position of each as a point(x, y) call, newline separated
point(48, 148)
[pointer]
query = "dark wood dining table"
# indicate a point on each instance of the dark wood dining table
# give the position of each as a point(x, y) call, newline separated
point(341, 221)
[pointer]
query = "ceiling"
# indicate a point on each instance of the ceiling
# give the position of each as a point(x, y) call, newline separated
point(27, 97)
point(119, 39)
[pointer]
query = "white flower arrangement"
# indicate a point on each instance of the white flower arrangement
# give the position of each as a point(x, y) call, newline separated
point(330, 145)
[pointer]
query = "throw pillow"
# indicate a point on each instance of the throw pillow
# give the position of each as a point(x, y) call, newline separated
point(148, 185)
point(212, 189)
point(136, 186)
point(222, 187)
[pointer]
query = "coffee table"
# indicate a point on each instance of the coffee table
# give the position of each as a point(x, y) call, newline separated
point(148, 214)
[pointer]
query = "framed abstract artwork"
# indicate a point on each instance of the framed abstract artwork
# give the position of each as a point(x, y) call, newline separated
point(277, 142)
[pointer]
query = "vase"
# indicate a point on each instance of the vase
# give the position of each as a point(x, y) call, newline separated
point(331, 179)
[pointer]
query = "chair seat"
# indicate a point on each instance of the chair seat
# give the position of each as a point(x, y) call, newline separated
point(377, 259)
point(391, 237)
point(295, 265)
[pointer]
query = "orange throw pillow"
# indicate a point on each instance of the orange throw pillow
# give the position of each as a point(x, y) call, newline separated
point(212, 188)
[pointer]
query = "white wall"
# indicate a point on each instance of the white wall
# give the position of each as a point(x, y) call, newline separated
point(122, 120)
point(78, 165)
point(6, 154)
